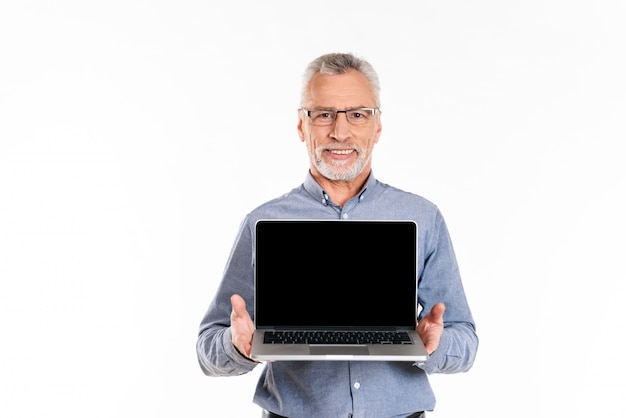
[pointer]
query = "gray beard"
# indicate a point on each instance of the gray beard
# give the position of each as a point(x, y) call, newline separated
point(337, 171)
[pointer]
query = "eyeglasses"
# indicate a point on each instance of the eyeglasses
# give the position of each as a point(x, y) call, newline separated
point(360, 116)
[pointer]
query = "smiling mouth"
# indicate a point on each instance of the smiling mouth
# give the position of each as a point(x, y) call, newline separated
point(341, 151)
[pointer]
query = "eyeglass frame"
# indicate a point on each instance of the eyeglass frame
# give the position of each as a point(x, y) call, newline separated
point(307, 112)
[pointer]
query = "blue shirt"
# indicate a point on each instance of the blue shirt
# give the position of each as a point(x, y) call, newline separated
point(356, 389)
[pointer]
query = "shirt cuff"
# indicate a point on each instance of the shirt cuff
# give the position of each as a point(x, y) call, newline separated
point(234, 355)
point(438, 357)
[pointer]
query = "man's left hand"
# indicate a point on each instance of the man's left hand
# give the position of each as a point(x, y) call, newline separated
point(430, 327)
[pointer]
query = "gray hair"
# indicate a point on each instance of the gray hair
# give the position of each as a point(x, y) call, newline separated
point(337, 63)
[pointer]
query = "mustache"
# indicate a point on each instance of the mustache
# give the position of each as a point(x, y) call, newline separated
point(332, 147)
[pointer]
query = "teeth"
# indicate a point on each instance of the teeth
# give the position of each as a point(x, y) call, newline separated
point(341, 151)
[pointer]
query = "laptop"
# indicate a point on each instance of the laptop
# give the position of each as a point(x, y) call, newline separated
point(336, 290)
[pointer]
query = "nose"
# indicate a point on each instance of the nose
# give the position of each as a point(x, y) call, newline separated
point(341, 129)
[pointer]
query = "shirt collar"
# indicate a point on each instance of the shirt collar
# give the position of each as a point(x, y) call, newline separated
point(315, 190)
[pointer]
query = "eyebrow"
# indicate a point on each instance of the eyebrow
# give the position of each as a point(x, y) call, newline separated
point(331, 109)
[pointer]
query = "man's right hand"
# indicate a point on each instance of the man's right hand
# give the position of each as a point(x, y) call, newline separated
point(241, 325)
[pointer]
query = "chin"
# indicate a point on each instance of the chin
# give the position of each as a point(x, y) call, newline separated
point(339, 175)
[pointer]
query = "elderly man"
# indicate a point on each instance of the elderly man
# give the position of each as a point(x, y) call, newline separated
point(339, 123)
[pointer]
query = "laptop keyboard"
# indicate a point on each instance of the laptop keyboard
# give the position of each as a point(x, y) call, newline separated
point(337, 337)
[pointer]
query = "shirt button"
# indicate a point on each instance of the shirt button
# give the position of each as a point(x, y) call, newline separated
point(357, 385)
point(344, 216)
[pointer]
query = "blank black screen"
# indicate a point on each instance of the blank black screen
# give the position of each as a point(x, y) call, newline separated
point(335, 273)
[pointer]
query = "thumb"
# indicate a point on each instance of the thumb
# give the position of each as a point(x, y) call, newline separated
point(437, 311)
point(238, 304)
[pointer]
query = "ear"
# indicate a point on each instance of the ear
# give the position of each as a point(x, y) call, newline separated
point(379, 128)
point(300, 126)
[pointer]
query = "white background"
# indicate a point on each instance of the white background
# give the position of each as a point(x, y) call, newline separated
point(135, 135)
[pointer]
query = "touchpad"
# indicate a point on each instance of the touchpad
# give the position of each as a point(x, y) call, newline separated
point(338, 350)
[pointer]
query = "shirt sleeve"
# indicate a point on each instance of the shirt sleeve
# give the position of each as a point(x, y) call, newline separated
point(440, 281)
point(216, 353)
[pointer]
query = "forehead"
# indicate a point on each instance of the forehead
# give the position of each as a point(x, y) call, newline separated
point(340, 91)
